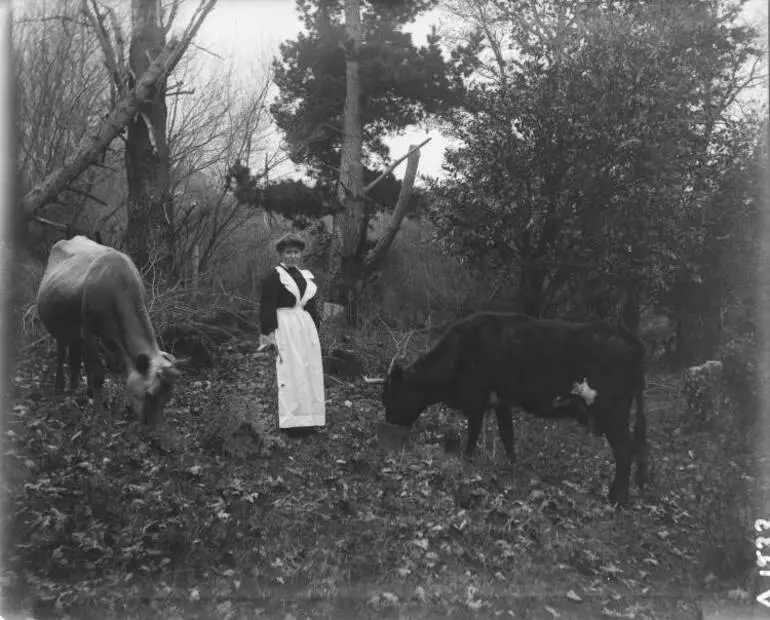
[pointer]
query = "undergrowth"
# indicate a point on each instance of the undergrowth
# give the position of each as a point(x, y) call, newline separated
point(218, 515)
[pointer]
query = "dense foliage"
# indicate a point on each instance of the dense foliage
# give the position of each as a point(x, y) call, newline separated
point(591, 151)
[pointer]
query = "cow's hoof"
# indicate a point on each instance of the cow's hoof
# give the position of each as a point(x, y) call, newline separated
point(620, 500)
point(617, 496)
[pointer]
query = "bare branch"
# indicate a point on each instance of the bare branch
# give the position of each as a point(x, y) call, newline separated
point(208, 51)
point(118, 119)
point(48, 222)
point(179, 93)
point(97, 21)
point(52, 18)
point(170, 21)
point(120, 43)
point(386, 240)
point(87, 195)
point(394, 165)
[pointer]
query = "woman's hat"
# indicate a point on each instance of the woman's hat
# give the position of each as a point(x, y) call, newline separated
point(290, 240)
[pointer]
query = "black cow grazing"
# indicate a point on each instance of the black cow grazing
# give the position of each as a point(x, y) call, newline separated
point(590, 372)
point(90, 292)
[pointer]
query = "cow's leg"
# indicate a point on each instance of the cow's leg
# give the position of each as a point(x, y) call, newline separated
point(475, 422)
point(61, 354)
point(623, 449)
point(94, 371)
point(505, 426)
point(76, 356)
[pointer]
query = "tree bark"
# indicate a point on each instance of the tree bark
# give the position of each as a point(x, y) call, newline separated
point(349, 268)
point(93, 147)
point(407, 185)
point(350, 226)
point(150, 214)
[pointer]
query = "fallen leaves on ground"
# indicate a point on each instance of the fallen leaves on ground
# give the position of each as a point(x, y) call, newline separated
point(218, 511)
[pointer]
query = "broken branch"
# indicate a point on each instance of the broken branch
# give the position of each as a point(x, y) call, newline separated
point(94, 145)
point(394, 165)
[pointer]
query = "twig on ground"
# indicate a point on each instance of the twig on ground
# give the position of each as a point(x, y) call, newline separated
point(33, 344)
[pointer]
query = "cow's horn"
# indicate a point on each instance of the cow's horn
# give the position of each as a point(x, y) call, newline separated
point(171, 373)
point(374, 379)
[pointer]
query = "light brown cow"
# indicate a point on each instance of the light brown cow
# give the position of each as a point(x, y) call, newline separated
point(91, 291)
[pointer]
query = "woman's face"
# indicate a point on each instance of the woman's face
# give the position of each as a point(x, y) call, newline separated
point(292, 257)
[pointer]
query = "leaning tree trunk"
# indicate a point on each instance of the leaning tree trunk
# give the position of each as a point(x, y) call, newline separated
point(350, 225)
point(150, 213)
point(126, 108)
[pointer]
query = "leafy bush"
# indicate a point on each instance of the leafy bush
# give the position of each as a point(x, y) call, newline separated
point(743, 379)
point(728, 540)
point(725, 487)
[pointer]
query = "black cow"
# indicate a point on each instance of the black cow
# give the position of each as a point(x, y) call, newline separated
point(590, 372)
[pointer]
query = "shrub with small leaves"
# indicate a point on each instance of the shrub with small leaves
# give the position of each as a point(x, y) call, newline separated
point(742, 376)
point(702, 387)
point(725, 519)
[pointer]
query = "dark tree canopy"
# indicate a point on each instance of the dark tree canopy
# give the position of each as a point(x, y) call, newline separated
point(401, 83)
point(300, 202)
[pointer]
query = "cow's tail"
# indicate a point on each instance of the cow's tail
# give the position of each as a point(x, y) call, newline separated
point(641, 451)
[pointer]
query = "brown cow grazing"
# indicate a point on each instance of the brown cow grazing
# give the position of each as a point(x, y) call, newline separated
point(590, 372)
point(109, 352)
point(89, 292)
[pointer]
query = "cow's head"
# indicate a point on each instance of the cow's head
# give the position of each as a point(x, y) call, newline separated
point(149, 385)
point(403, 399)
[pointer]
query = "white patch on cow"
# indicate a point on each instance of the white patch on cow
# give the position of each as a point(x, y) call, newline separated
point(585, 391)
point(161, 372)
point(160, 366)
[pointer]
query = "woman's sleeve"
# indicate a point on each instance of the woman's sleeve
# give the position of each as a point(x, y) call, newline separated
point(268, 317)
point(312, 310)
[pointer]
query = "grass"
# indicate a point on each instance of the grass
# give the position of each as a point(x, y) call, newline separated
point(216, 515)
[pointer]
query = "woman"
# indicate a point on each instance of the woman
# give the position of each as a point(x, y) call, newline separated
point(289, 321)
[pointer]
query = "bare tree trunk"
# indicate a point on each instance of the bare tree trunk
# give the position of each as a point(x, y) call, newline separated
point(350, 226)
point(196, 257)
point(349, 268)
point(150, 214)
point(407, 185)
point(93, 147)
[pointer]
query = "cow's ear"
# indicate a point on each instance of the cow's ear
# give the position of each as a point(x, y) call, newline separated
point(396, 374)
point(142, 363)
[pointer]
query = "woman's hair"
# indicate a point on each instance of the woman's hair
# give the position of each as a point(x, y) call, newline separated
point(290, 240)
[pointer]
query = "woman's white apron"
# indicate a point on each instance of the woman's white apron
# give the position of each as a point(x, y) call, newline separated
point(301, 399)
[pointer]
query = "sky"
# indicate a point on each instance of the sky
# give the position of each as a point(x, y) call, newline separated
point(250, 31)
point(247, 33)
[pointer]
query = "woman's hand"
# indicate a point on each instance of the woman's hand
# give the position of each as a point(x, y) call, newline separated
point(267, 340)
